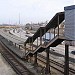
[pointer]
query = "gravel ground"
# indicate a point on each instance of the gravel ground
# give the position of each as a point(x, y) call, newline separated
point(5, 68)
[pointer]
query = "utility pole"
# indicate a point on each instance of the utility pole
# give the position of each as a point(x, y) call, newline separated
point(19, 18)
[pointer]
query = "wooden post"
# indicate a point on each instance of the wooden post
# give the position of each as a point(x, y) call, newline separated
point(35, 61)
point(47, 62)
point(66, 67)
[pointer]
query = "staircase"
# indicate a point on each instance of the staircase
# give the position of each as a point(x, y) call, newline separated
point(54, 22)
point(56, 40)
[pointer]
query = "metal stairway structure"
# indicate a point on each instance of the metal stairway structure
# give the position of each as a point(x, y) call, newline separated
point(53, 43)
point(54, 22)
point(51, 27)
point(57, 39)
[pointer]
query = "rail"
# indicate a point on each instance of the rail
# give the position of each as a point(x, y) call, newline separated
point(14, 61)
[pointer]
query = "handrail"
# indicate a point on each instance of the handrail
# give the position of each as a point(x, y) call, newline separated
point(53, 24)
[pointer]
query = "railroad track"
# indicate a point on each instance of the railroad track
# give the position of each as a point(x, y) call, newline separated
point(56, 65)
point(22, 70)
point(19, 68)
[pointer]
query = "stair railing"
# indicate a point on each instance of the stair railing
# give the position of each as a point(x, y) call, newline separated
point(52, 33)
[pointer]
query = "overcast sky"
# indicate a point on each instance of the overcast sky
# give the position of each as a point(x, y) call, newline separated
point(30, 10)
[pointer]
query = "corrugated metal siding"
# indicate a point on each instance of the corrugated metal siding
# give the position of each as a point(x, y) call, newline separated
point(70, 24)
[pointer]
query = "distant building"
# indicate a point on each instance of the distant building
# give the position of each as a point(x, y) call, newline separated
point(35, 26)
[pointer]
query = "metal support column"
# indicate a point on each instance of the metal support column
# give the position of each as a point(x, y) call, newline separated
point(47, 62)
point(49, 35)
point(37, 41)
point(27, 58)
point(15, 44)
point(45, 36)
point(40, 37)
point(25, 48)
point(29, 44)
point(32, 44)
point(54, 32)
point(19, 46)
point(58, 25)
point(66, 67)
point(35, 61)
point(30, 59)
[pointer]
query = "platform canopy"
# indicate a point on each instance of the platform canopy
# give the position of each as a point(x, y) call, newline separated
point(12, 38)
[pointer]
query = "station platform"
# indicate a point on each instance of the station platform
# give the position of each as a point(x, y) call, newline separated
point(12, 47)
point(12, 38)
